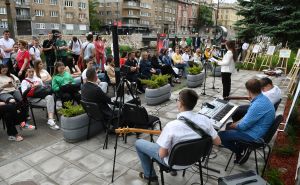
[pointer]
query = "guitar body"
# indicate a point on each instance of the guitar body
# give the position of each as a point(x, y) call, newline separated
point(136, 130)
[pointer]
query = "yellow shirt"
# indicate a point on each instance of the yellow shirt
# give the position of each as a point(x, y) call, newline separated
point(177, 58)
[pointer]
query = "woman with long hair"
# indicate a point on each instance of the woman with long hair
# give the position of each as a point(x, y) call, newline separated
point(41, 73)
point(8, 86)
point(64, 85)
point(23, 58)
point(100, 53)
point(228, 66)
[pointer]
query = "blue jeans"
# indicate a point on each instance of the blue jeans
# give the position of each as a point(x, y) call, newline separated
point(5, 61)
point(230, 137)
point(147, 150)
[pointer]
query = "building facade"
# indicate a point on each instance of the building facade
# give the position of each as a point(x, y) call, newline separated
point(165, 16)
point(3, 17)
point(38, 17)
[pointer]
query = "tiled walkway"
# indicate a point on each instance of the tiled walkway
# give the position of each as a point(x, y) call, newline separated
point(45, 158)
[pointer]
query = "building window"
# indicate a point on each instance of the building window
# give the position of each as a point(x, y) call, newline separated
point(132, 3)
point(53, 2)
point(145, 14)
point(101, 13)
point(68, 3)
point(109, 13)
point(3, 24)
point(2, 10)
point(69, 27)
point(55, 26)
point(39, 1)
point(145, 5)
point(108, 4)
point(132, 21)
point(53, 13)
point(145, 22)
point(22, 11)
point(82, 27)
point(81, 5)
point(39, 13)
point(101, 4)
point(69, 15)
point(81, 16)
point(40, 25)
point(130, 12)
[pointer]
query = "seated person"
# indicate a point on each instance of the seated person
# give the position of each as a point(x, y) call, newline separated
point(166, 66)
point(111, 69)
point(33, 81)
point(8, 86)
point(91, 92)
point(170, 135)
point(178, 62)
point(253, 126)
point(64, 85)
point(132, 75)
point(91, 64)
point(41, 73)
point(268, 89)
point(146, 69)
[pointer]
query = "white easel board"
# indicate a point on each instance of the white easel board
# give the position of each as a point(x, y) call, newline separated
point(271, 50)
point(284, 53)
point(256, 48)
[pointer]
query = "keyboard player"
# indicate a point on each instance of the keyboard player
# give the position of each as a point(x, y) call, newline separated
point(253, 126)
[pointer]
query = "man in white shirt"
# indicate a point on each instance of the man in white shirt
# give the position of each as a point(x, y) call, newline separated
point(174, 132)
point(35, 50)
point(88, 49)
point(75, 46)
point(6, 44)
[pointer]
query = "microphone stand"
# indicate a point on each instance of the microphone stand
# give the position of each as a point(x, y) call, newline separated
point(204, 83)
point(214, 80)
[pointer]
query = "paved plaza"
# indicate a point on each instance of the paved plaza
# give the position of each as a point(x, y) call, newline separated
point(45, 158)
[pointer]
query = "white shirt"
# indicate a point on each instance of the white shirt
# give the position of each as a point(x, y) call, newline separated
point(177, 131)
point(83, 74)
point(1, 53)
point(44, 74)
point(245, 46)
point(183, 44)
point(75, 47)
point(273, 94)
point(25, 84)
point(88, 50)
point(227, 63)
point(36, 52)
point(6, 44)
point(185, 57)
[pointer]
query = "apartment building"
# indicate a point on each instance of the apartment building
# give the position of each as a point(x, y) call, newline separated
point(38, 17)
point(165, 16)
point(227, 15)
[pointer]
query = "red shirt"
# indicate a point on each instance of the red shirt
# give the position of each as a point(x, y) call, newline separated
point(21, 57)
point(122, 61)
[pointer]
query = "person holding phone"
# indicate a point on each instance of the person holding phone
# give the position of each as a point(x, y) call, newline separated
point(8, 84)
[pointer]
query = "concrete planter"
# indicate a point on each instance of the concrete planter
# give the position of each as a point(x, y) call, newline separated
point(75, 128)
point(217, 72)
point(157, 96)
point(195, 80)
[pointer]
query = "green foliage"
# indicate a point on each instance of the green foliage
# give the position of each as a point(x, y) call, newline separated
point(108, 51)
point(273, 176)
point(156, 81)
point(287, 150)
point(194, 70)
point(274, 18)
point(95, 22)
point(71, 110)
point(124, 48)
point(204, 17)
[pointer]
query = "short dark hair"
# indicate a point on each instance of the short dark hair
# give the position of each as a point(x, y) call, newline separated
point(6, 31)
point(89, 37)
point(254, 86)
point(265, 81)
point(90, 74)
point(188, 98)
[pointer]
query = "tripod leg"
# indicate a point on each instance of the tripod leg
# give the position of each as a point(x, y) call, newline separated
point(115, 155)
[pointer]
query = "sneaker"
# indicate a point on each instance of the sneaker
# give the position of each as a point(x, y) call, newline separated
point(53, 125)
point(26, 126)
point(245, 156)
point(17, 138)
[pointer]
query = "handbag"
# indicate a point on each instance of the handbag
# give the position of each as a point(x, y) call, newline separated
point(39, 91)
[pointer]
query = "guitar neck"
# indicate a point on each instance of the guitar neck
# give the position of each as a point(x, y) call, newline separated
point(237, 98)
point(137, 130)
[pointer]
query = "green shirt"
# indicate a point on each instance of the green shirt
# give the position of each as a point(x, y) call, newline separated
point(60, 43)
point(189, 41)
point(61, 80)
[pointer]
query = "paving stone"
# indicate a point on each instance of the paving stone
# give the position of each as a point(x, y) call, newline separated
point(68, 175)
point(52, 165)
point(128, 158)
point(13, 168)
point(109, 152)
point(28, 175)
point(91, 162)
point(91, 179)
point(74, 154)
point(37, 157)
point(105, 171)
point(3, 183)
point(60, 147)
point(130, 177)
point(92, 144)
point(47, 181)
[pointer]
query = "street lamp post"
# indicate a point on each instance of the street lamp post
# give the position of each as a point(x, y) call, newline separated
point(217, 16)
point(10, 19)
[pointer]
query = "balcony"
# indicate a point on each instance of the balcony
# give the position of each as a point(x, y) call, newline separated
point(23, 17)
point(130, 7)
point(22, 4)
point(131, 16)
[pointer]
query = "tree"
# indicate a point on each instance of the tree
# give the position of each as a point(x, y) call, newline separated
point(204, 17)
point(279, 19)
point(95, 22)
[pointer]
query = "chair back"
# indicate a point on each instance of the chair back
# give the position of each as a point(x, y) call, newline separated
point(92, 110)
point(272, 130)
point(135, 116)
point(276, 105)
point(189, 152)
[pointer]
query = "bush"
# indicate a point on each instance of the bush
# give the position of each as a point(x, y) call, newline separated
point(124, 48)
point(156, 81)
point(194, 70)
point(71, 110)
point(108, 51)
point(273, 177)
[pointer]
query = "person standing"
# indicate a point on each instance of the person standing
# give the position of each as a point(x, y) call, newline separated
point(228, 67)
point(75, 47)
point(197, 42)
point(88, 49)
point(61, 49)
point(49, 51)
point(35, 51)
point(166, 42)
point(100, 54)
point(6, 44)
point(22, 59)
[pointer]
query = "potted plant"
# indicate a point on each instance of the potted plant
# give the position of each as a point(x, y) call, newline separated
point(74, 123)
point(158, 89)
point(195, 77)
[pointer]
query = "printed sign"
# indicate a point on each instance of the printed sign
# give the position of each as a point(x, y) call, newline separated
point(284, 53)
point(256, 48)
point(298, 55)
point(271, 50)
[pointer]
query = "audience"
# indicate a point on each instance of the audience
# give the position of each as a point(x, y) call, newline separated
point(100, 52)
point(6, 44)
point(111, 69)
point(22, 59)
point(35, 51)
point(178, 62)
point(146, 69)
point(49, 51)
point(133, 74)
point(75, 47)
point(41, 73)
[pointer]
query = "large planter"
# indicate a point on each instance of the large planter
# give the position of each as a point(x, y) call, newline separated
point(75, 128)
point(195, 80)
point(157, 96)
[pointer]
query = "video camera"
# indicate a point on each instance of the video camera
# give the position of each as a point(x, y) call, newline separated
point(55, 35)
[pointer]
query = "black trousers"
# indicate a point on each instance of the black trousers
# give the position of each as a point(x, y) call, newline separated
point(70, 92)
point(226, 81)
point(9, 114)
point(50, 60)
point(167, 69)
point(240, 112)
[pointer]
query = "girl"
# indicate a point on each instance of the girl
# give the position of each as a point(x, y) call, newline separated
point(41, 73)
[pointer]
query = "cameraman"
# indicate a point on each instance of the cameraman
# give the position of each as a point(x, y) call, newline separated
point(49, 51)
point(133, 74)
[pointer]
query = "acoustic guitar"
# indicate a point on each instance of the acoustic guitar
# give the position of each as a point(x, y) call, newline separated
point(127, 130)
point(237, 98)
